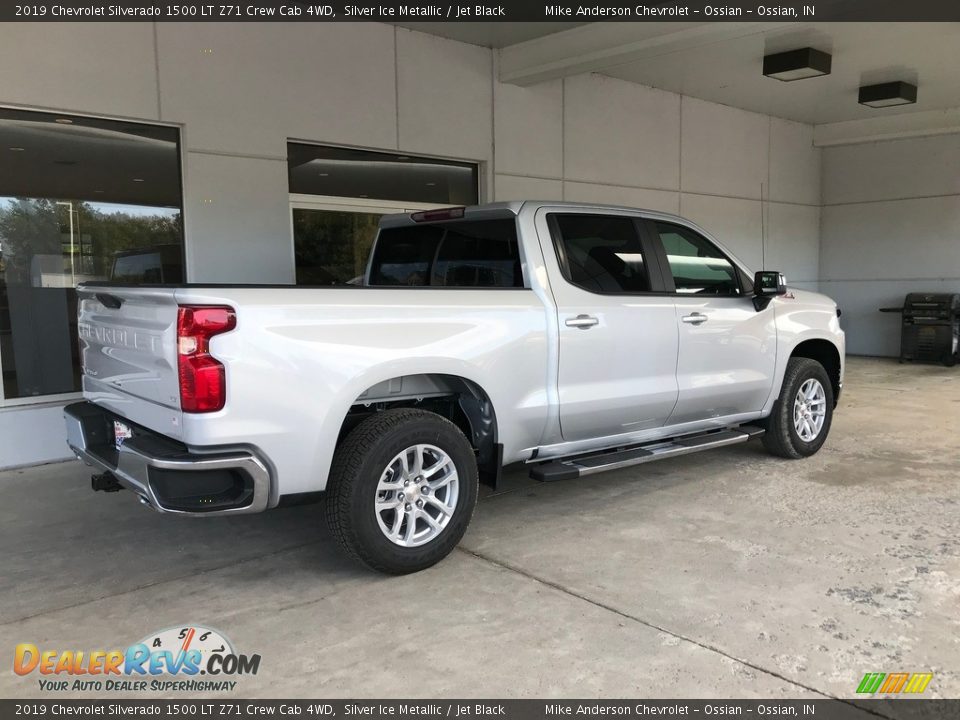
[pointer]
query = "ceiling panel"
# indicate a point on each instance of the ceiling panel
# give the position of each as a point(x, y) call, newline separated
point(490, 34)
point(728, 71)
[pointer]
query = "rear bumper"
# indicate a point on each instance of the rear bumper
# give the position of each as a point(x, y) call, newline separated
point(165, 474)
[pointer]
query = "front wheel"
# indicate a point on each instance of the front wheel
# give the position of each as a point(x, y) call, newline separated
point(402, 490)
point(801, 417)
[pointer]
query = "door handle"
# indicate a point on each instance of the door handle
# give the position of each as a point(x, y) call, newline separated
point(584, 322)
point(694, 318)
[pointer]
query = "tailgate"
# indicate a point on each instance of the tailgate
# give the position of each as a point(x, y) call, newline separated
point(128, 346)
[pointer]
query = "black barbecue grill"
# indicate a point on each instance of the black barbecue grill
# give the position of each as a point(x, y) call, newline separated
point(930, 330)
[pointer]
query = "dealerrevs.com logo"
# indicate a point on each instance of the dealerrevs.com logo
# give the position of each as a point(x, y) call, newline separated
point(189, 658)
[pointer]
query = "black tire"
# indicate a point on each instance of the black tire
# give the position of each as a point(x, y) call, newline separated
point(781, 437)
point(359, 462)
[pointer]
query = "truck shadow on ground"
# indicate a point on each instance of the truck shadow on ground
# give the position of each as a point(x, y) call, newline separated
point(98, 545)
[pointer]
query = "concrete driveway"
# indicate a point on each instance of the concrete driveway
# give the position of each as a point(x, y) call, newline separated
point(724, 574)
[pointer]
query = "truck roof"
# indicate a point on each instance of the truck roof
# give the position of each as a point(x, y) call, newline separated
point(515, 206)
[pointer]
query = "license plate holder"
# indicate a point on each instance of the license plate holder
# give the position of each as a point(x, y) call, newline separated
point(121, 432)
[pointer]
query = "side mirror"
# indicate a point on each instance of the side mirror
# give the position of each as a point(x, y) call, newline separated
point(768, 283)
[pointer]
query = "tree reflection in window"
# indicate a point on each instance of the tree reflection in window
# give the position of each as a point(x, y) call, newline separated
point(47, 246)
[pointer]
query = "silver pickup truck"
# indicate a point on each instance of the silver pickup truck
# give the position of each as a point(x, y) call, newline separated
point(573, 338)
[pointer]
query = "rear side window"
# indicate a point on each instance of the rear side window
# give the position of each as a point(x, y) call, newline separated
point(601, 253)
point(697, 265)
point(458, 254)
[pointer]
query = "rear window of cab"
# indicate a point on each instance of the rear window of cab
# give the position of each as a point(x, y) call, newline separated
point(455, 254)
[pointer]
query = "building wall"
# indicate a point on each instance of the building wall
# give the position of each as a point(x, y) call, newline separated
point(240, 90)
point(751, 180)
point(891, 225)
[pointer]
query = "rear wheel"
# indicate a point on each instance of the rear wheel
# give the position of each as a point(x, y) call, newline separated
point(402, 490)
point(801, 417)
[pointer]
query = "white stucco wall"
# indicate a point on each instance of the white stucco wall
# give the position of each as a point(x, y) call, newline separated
point(596, 139)
point(891, 225)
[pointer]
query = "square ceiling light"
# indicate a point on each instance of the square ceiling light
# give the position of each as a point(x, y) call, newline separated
point(797, 64)
point(888, 94)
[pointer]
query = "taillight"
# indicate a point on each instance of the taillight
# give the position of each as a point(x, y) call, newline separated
point(203, 382)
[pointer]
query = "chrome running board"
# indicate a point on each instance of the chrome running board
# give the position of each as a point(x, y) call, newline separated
point(588, 464)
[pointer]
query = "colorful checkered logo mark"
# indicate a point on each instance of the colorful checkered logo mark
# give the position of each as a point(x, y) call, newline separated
point(892, 683)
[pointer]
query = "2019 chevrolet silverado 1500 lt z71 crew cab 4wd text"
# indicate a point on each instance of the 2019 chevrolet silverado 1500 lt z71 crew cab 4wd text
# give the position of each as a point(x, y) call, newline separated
point(575, 338)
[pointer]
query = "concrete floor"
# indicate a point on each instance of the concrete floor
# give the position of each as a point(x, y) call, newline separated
point(727, 574)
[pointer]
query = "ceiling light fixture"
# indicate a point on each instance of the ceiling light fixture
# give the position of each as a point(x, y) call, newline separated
point(64, 121)
point(16, 149)
point(888, 94)
point(797, 64)
point(138, 179)
point(324, 174)
point(431, 184)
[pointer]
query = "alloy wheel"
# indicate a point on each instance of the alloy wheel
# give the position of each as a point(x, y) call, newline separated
point(417, 495)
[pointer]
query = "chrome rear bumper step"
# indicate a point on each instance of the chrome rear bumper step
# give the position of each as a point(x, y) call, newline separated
point(166, 475)
point(588, 464)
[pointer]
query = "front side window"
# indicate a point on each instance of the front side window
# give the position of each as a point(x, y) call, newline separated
point(460, 254)
point(601, 253)
point(697, 266)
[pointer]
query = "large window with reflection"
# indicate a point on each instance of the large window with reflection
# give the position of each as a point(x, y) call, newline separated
point(80, 199)
point(338, 196)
